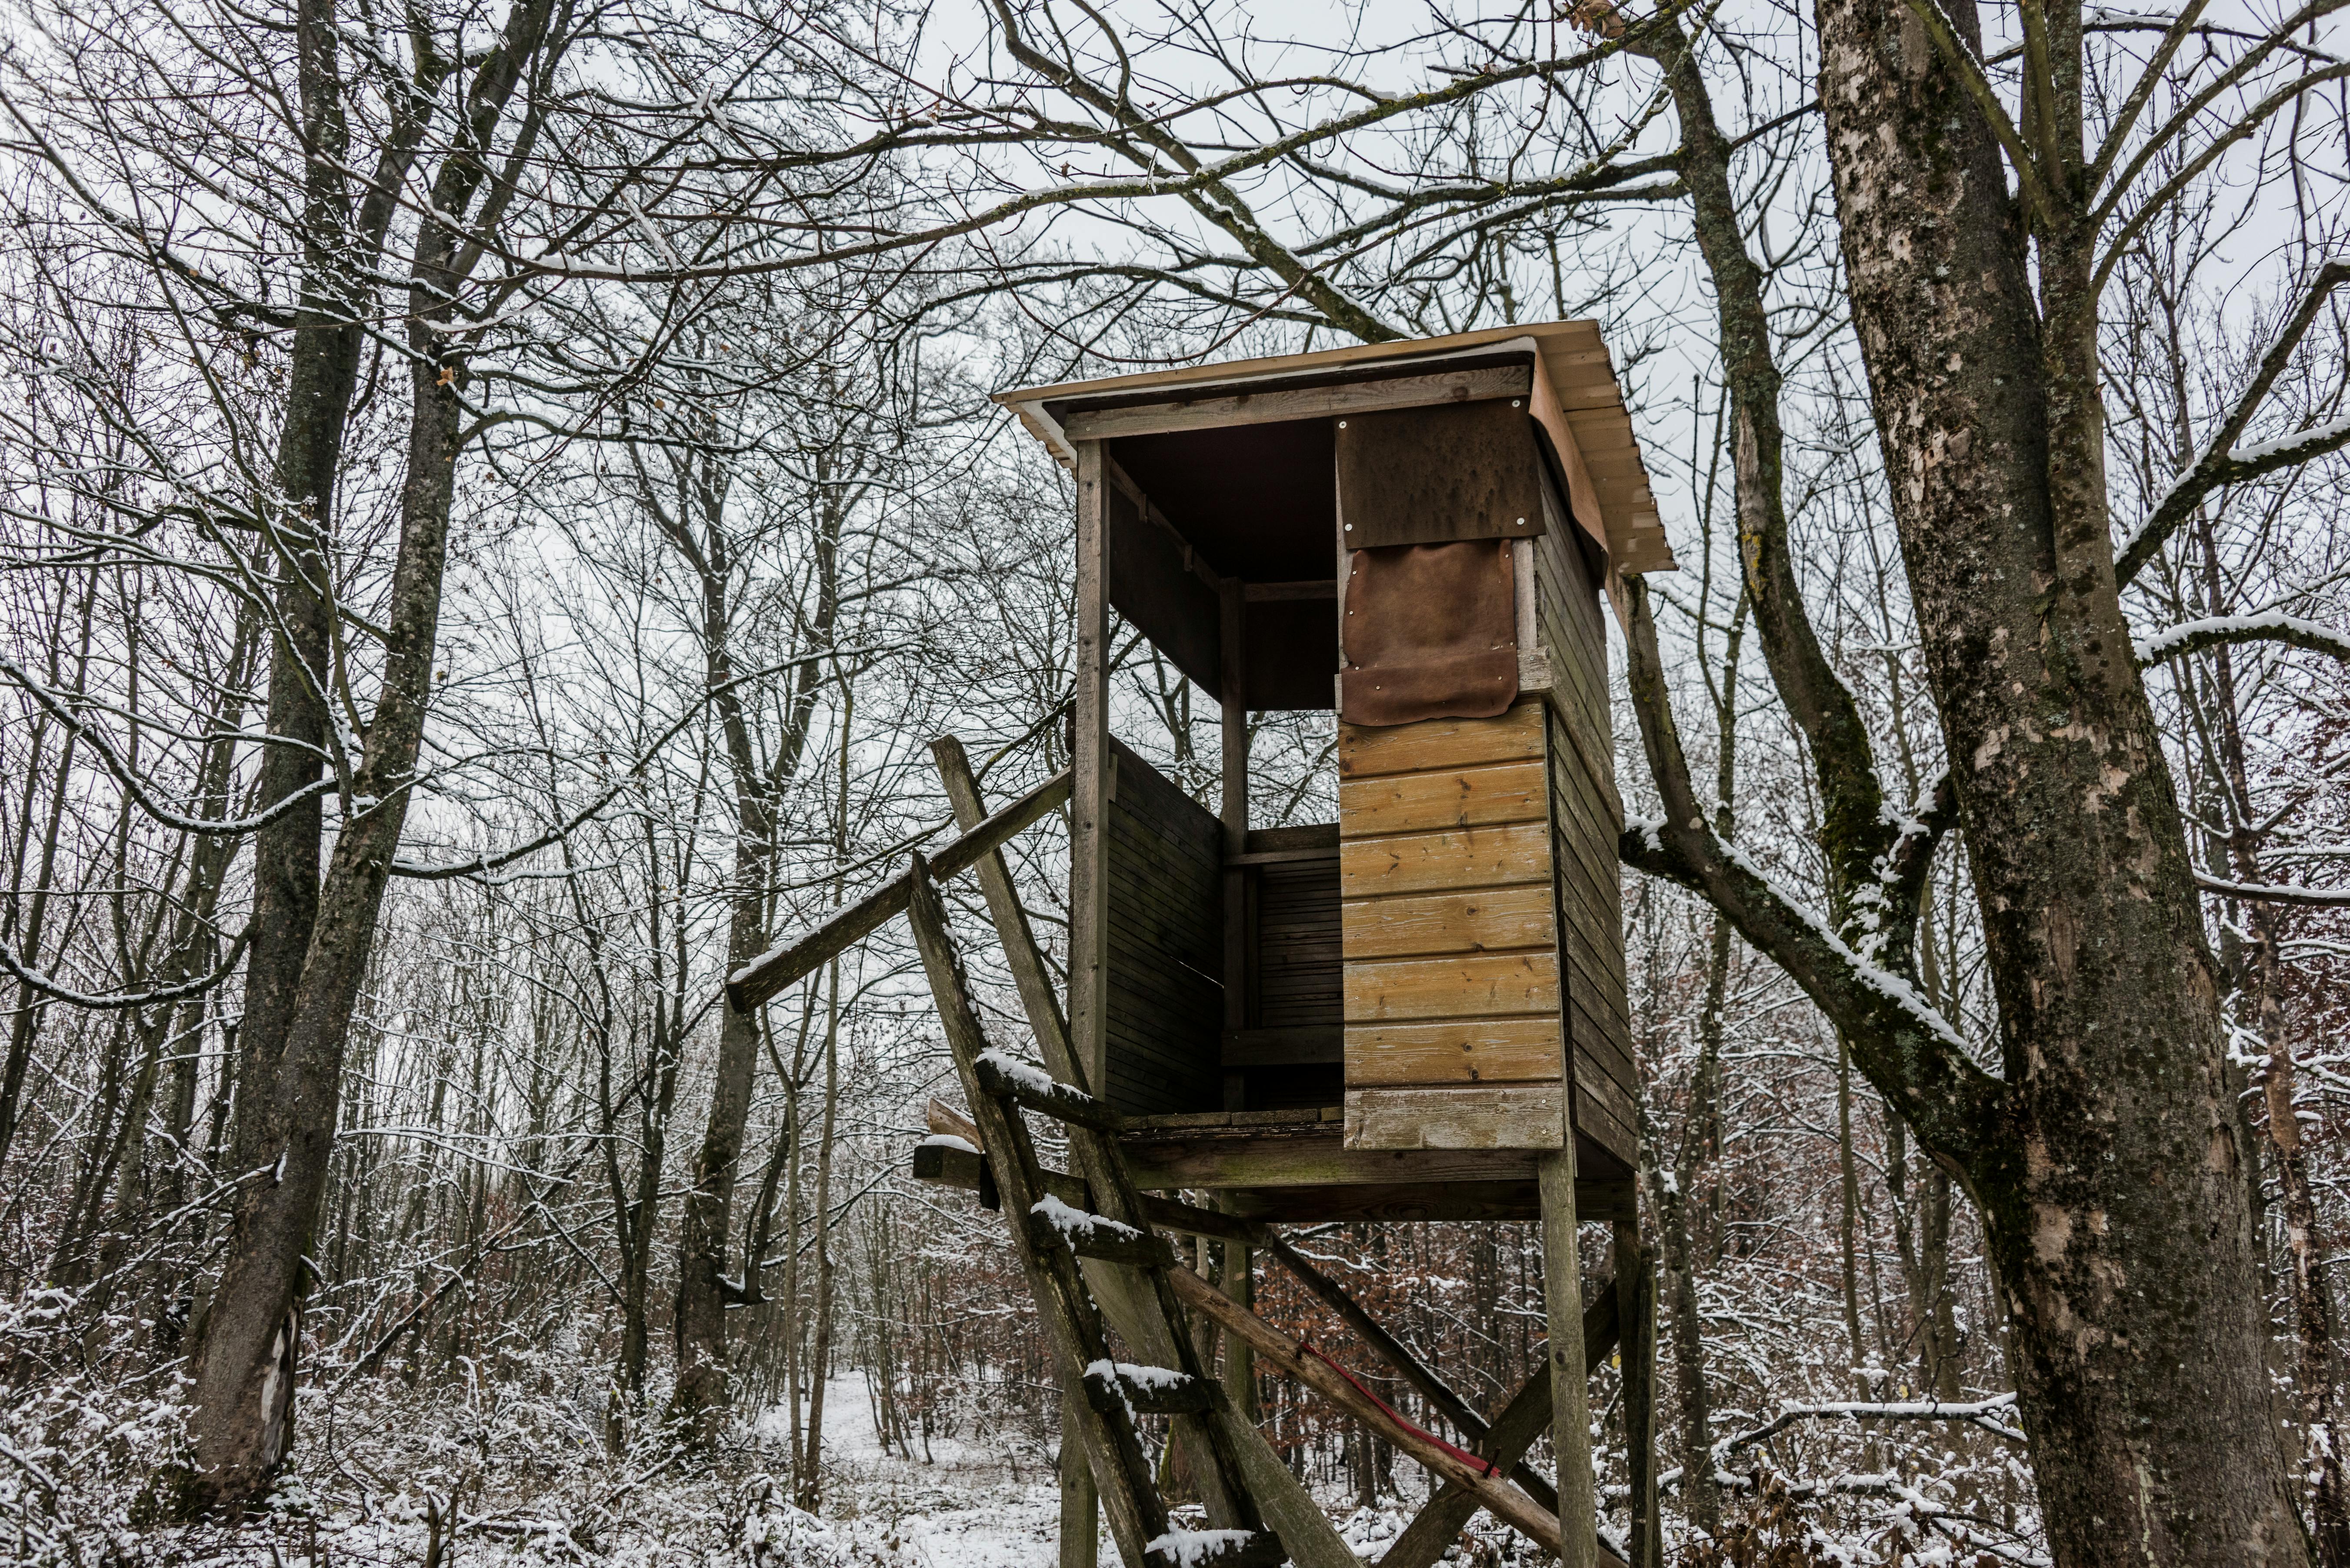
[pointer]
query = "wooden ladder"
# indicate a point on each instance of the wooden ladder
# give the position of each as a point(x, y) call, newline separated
point(1049, 1236)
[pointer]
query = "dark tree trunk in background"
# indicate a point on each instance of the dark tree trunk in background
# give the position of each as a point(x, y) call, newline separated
point(698, 529)
point(300, 1001)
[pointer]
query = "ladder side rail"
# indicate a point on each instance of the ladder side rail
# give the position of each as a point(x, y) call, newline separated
point(1130, 1496)
point(1244, 1465)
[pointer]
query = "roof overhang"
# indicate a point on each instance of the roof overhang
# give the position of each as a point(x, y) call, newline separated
point(1575, 399)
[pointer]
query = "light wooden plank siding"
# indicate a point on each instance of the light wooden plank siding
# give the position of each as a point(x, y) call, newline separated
point(1587, 817)
point(1166, 1007)
point(1449, 920)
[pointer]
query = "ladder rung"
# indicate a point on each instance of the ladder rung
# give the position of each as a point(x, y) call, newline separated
point(1216, 1549)
point(1052, 1224)
point(1147, 1390)
point(1010, 1079)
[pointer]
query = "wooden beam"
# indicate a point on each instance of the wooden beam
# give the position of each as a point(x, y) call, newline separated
point(1634, 1293)
point(771, 971)
point(1300, 403)
point(1090, 767)
point(1570, 1394)
point(1240, 938)
point(1390, 1349)
point(1441, 1519)
point(1311, 588)
point(1240, 857)
point(941, 1165)
point(1505, 1502)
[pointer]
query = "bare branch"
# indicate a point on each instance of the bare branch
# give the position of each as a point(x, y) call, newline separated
point(2221, 464)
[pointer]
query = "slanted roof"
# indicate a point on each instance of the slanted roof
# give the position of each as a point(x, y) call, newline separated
point(1587, 407)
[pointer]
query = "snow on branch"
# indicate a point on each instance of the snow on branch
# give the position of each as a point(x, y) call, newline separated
point(2273, 893)
point(35, 980)
point(1981, 1414)
point(2223, 461)
point(58, 707)
point(2272, 626)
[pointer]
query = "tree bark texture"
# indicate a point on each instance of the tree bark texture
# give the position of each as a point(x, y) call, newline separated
point(291, 1070)
point(2107, 1163)
point(703, 1388)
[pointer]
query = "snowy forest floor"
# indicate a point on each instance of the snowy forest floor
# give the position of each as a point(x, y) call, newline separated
point(502, 1480)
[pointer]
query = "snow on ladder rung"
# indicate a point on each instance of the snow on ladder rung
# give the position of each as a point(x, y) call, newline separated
point(1145, 1390)
point(1007, 1077)
point(1215, 1549)
point(1052, 1222)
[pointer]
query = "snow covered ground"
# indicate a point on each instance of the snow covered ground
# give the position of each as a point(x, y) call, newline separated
point(975, 1505)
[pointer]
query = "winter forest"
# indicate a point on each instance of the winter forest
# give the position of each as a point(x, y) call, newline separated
point(497, 501)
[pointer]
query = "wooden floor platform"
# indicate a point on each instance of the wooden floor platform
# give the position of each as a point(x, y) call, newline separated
point(1291, 1166)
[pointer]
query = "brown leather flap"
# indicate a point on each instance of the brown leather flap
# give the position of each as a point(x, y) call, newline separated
point(1454, 470)
point(1431, 632)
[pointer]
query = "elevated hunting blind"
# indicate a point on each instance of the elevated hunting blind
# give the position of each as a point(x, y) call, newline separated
point(1416, 1011)
point(1324, 1020)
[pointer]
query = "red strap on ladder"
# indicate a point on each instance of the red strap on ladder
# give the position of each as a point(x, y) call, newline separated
point(1481, 1466)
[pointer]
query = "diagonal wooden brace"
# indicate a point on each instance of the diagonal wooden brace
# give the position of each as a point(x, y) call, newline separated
point(1438, 1522)
point(1278, 1352)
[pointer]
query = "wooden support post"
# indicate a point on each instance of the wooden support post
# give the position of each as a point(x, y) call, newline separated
point(1440, 1521)
point(1636, 1303)
point(1085, 1044)
point(1232, 679)
point(1090, 782)
point(1080, 1503)
point(1570, 1392)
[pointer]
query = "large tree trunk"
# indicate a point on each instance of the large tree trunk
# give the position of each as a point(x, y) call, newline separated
point(243, 1370)
point(2112, 1183)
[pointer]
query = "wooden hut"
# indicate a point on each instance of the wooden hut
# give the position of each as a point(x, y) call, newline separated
point(1398, 1013)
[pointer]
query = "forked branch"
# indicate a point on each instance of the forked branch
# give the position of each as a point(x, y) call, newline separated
point(2222, 462)
point(1906, 1048)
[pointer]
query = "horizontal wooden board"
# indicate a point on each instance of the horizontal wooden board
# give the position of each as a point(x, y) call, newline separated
point(1313, 402)
point(1365, 751)
point(1315, 1158)
point(1531, 1117)
point(1307, 1046)
point(1448, 797)
point(1456, 857)
point(1597, 1095)
point(1470, 985)
point(1595, 1201)
point(1456, 1050)
point(1479, 920)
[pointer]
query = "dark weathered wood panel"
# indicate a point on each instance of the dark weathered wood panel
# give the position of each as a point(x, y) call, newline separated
point(1585, 821)
point(1163, 1000)
point(1428, 476)
point(1300, 963)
